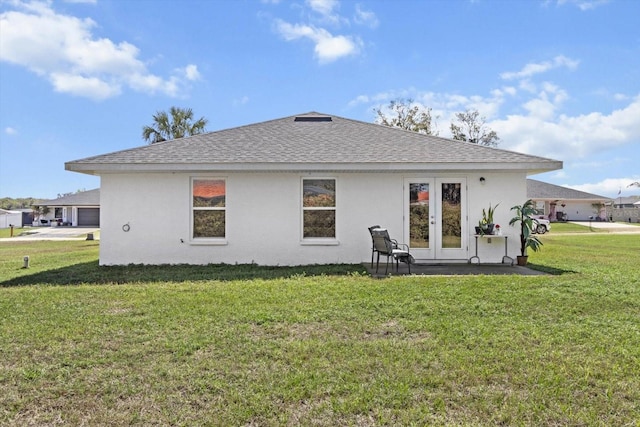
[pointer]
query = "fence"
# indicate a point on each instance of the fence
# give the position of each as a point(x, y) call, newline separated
point(625, 214)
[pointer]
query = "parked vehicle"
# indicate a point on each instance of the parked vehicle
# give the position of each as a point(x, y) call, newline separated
point(541, 225)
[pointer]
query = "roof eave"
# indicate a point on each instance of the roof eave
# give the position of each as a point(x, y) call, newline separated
point(100, 168)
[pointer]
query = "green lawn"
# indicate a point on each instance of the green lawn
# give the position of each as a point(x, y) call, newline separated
point(585, 227)
point(321, 346)
point(6, 232)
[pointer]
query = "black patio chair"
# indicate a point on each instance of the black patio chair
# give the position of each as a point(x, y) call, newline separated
point(373, 246)
point(384, 245)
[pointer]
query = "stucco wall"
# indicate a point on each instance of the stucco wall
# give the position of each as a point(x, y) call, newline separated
point(264, 217)
point(507, 189)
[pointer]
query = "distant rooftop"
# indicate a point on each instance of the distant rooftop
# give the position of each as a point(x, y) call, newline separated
point(82, 198)
point(545, 191)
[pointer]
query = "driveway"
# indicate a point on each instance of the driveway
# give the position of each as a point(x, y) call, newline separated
point(612, 227)
point(55, 233)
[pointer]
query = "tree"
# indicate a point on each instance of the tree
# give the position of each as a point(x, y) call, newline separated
point(19, 203)
point(177, 124)
point(405, 116)
point(472, 128)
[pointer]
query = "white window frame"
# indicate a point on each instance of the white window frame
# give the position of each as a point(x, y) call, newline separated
point(318, 240)
point(207, 240)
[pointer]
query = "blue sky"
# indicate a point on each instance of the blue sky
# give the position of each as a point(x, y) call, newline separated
point(556, 78)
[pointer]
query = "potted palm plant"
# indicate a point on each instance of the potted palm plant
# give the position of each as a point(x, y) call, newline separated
point(523, 215)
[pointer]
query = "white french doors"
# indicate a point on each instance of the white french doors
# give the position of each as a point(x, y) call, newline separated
point(435, 219)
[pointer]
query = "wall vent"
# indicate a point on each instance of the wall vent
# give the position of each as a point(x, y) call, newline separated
point(312, 119)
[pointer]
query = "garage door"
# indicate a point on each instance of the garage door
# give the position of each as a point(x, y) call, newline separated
point(89, 217)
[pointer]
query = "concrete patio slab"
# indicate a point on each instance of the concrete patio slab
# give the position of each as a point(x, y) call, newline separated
point(454, 269)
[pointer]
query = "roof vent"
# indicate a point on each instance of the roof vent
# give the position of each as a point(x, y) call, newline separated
point(312, 119)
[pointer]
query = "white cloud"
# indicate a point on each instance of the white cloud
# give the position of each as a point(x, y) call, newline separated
point(328, 47)
point(444, 105)
point(10, 131)
point(547, 102)
point(537, 125)
point(584, 4)
point(91, 87)
point(323, 7)
point(609, 187)
point(325, 12)
point(532, 69)
point(570, 137)
point(365, 17)
point(191, 72)
point(63, 49)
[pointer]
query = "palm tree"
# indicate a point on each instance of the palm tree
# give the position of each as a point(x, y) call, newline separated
point(177, 124)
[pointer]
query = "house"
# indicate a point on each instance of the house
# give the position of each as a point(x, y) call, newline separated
point(565, 204)
point(626, 202)
point(303, 190)
point(626, 209)
point(77, 209)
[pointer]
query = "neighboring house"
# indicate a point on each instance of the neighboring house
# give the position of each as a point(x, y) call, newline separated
point(10, 217)
point(303, 190)
point(565, 204)
point(626, 202)
point(27, 215)
point(626, 209)
point(78, 209)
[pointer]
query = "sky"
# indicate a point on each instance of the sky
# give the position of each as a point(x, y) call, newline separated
point(554, 78)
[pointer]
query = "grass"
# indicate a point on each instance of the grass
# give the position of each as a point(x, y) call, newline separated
point(320, 345)
point(6, 232)
point(584, 227)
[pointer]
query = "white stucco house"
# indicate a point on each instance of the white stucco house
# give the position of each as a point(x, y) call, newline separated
point(81, 209)
point(303, 190)
point(559, 203)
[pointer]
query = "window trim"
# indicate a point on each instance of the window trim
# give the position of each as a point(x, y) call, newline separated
point(195, 241)
point(319, 241)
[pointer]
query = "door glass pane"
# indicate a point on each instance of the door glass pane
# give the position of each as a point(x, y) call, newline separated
point(419, 215)
point(451, 216)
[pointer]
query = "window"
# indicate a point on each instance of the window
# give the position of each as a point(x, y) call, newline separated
point(208, 203)
point(318, 208)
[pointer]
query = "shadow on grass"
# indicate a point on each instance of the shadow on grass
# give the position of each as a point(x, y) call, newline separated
point(92, 273)
point(549, 270)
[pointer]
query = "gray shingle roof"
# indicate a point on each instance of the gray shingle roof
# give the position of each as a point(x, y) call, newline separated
point(83, 198)
point(313, 142)
point(545, 191)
